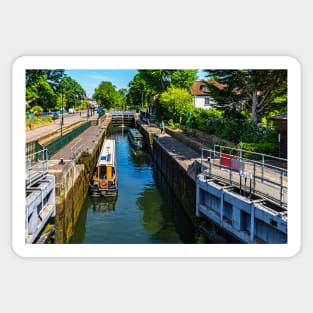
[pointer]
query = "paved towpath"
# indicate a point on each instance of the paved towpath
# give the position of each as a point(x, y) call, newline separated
point(86, 141)
point(69, 119)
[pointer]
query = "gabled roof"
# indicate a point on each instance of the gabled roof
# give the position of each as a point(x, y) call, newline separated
point(198, 86)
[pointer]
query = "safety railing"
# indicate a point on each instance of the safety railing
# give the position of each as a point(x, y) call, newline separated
point(32, 147)
point(36, 166)
point(120, 113)
point(249, 175)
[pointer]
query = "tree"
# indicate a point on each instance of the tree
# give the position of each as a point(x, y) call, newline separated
point(184, 78)
point(160, 80)
point(123, 94)
point(61, 101)
point(53, 77)
point(41, 86)
point(107, 95)
point(70, 90)
point(138, 91)
point(174, 104)
point(40, 93)
point(259, 91)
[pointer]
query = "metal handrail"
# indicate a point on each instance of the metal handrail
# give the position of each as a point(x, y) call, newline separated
point(240, 151)
point(36, 166)
point(233, 168)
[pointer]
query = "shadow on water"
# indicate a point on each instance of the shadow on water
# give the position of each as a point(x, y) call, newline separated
point(156, 218)
point(183, 224)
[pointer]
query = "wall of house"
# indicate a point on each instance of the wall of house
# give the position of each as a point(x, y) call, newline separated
point(199, 102)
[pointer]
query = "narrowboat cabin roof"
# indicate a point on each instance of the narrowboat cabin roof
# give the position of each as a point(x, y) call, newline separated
point(135, 133)
point(107, 154)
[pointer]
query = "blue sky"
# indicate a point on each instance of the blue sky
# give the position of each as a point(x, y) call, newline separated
point(90, 79)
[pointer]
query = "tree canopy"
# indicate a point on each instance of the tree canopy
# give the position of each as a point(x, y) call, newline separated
point(138, 92)
point(72, 91)
point(107, 96)
point(154, 82)
point(257, 91)
point(159, 80)
point(50, 88)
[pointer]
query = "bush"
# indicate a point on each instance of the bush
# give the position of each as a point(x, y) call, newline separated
point(172, 125)
point(37, 110)
point(266, 148)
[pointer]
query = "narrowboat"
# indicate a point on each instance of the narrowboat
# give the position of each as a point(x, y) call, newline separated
point(135, 137)
point(104, 178)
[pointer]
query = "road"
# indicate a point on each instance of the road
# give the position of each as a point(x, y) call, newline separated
point(69, 119)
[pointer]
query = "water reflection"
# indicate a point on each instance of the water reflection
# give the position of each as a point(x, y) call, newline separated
point(138, 215)
point(103, 204)
point(156, 216)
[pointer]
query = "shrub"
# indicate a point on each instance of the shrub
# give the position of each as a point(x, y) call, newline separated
point(266, 148)
point(171, 124)
point(37, 110)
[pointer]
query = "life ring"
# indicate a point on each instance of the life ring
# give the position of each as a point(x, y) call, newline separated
point(104, 183)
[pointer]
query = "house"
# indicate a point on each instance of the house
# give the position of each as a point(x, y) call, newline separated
point(200, 93)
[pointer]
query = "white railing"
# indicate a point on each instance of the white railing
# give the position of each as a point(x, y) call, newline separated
point(36, 166)
point(266, 180)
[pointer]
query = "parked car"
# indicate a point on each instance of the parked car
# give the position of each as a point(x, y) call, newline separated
point(53, 115)
point(60, 111)
point(71, 110)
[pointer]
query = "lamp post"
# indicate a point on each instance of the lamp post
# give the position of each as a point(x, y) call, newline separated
point(62, 118)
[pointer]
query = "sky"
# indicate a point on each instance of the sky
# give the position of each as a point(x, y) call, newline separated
point(90, 79)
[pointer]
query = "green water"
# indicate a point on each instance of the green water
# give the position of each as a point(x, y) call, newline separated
point(139, 214)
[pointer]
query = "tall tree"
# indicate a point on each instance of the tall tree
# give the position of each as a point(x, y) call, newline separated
point(123, 94)
point(107, 95)
point(184, 78)
point(40, 92)
point(138, 91)
point(72, 91)
point(259, 91)
point(41, 86)
point(161, 80)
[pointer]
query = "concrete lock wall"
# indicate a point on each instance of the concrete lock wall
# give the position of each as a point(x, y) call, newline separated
point(72, 182)
point(183, 186)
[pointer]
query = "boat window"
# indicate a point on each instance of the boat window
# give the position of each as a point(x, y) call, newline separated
point(106, 157)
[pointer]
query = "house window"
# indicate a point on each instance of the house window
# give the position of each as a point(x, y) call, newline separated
point(207, 101)
point(204, 88)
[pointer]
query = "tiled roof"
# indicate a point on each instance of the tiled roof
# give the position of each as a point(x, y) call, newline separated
point(196, 87)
